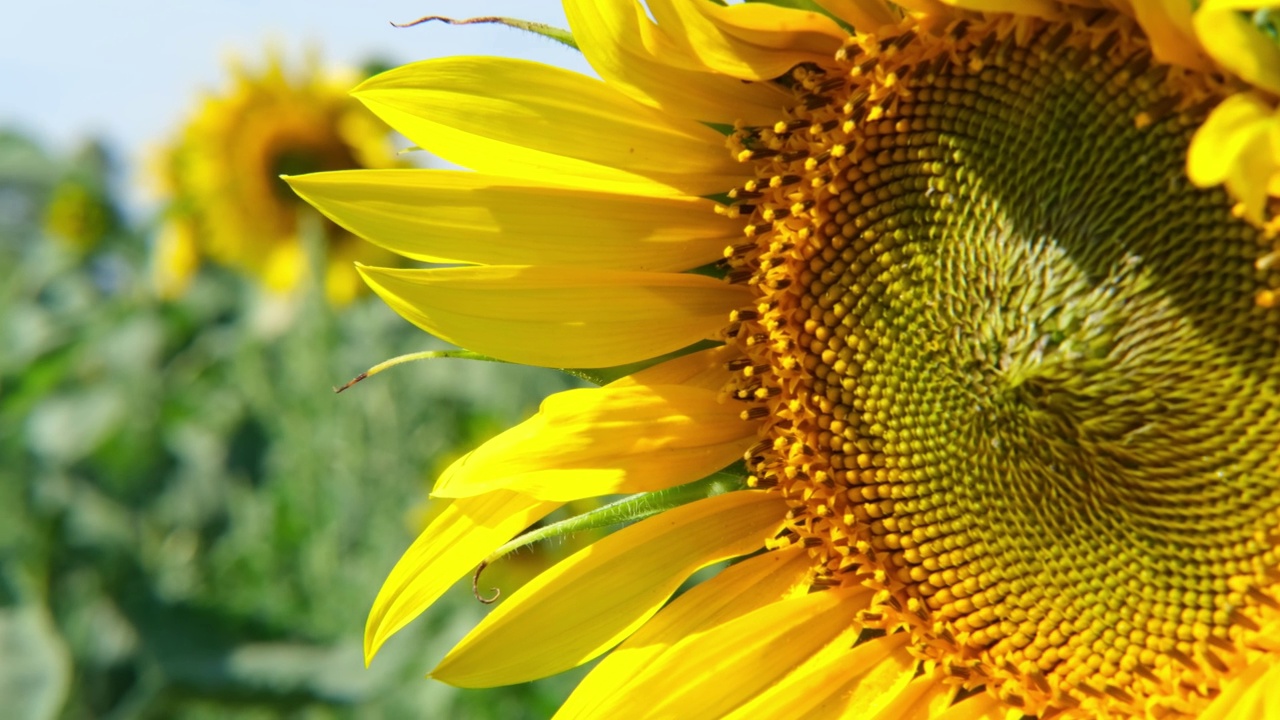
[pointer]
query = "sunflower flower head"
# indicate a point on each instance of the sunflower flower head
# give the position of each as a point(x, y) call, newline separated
point(995, 341)
point(221, 178)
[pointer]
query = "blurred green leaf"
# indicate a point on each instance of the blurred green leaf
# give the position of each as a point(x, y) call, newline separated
point(34, 668)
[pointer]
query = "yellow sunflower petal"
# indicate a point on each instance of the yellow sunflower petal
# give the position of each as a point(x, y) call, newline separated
point(749, 42)
point(1235, 146)
point(456, 541)
point(709, 674)
point(522, 119)
point(603, 441)
point(600, 595)
point(446, 216)
point(777, 27)
point(1167, 24)
point(1037, 8)
point(858, 683)
point(556, 316)
point(739, 589)
point(1237, 44)
point(635, 56)
point(1254, 694)
point(923, 697)
point(1224, 135)
point(983, 706)
point(704, 369)
point(923, 9)
point(863, 15)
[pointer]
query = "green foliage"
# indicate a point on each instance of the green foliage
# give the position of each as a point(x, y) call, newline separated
point(1267, 20)
point(192, 525)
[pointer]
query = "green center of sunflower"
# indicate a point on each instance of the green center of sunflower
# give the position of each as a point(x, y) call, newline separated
point(301, 159)
point(1016, 375)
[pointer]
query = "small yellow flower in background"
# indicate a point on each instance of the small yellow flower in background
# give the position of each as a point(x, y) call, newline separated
point(996, 340)
point(221, 176)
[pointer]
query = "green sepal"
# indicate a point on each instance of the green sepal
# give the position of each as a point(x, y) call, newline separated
point(595, 376)
point(805, 5)
point(625, 510)
point(725, 129)
point(425, 355)
point(550, 32)
point(718, 270)
point(604, 376)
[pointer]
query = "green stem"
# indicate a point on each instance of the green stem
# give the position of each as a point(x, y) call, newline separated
point(547, 31)
point(625, 510)
point(424, 355)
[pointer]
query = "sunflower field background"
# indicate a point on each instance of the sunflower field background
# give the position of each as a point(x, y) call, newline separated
point(192, 524)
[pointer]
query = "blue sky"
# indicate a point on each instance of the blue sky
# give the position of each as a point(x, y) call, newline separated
point(129, 71)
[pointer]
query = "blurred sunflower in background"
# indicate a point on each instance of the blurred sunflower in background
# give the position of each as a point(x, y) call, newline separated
point(80, 214)
point(990, 290)
point(221, 176)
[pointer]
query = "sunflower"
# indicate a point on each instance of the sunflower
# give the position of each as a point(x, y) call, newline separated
point(221, 176)
point(995, 340)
